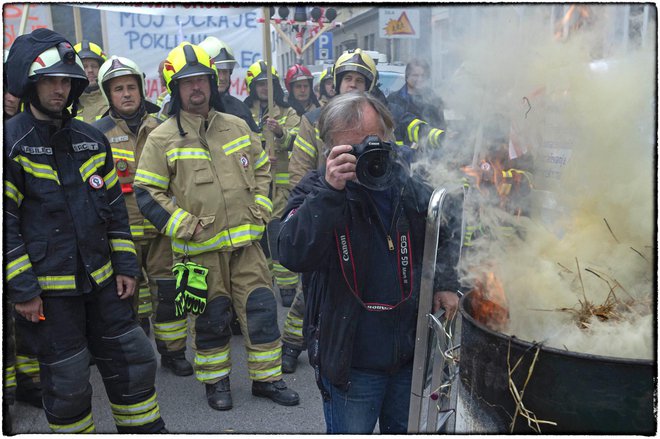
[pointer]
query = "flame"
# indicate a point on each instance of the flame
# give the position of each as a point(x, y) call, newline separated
point(570, 23)
point(489, 304)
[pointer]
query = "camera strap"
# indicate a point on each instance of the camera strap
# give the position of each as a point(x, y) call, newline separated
point(404, 265)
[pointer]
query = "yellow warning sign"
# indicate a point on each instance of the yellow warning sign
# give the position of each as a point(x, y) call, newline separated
point(400, 26)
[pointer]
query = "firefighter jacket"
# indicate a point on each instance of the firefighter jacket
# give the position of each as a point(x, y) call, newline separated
point(307, 153)
point(91, 106)
point(126, 150)
point(217, 175)
point(362, 262)
point(417, 116)
point(66, 225)
point(289, 121)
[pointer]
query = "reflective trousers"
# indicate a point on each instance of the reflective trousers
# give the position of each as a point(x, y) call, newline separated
point(239, 278)
point(101, 324)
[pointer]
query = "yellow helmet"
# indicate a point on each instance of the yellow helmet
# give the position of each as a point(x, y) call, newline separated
point(89, 50)
point(257, 72)
point(355, 61)
point(188, 60)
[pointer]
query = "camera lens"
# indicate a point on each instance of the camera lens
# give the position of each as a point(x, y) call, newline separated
point(377, 167)
point(374, 169)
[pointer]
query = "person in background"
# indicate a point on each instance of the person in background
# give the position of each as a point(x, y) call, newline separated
point(326, 86)
point(283, 124)
point(92, 103)
point(298, 82)
point(70, 262)
point(203, 179)
point(418, 111)
point(163, 99)
point(363, 246)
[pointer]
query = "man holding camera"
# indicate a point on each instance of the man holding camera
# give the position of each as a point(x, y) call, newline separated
point(358, 226)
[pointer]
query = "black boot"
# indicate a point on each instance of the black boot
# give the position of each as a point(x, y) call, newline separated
point(7, 428)
point(276, 391)
point(287, 295)
point(218, 395)
point(177, 364)
point(289, 359)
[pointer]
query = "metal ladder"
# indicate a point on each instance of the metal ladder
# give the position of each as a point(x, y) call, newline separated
point(433, 397)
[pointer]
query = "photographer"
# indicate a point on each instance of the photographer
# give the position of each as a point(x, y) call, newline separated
point(358, 225)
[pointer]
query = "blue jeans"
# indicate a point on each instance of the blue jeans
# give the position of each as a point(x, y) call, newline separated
point(370, 397)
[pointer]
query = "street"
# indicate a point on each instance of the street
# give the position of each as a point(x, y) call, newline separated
point(183, 402)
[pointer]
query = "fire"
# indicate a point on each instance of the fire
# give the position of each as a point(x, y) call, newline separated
point(489, 304)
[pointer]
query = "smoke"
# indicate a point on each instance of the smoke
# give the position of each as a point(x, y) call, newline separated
point(584, 112)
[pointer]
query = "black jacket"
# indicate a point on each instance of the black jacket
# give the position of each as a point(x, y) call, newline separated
point(406, 108)
point(340, 331)
point(233, 105)
point(66, 226)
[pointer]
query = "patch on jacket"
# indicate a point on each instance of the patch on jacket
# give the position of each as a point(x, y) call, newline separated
point(37, 150)
point(244, 161)
point(85, 146)
point(118, 139)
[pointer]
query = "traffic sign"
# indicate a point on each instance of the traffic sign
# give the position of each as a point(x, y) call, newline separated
point(323, 47)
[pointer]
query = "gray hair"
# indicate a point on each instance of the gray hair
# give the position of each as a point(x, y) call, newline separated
point(345, 112)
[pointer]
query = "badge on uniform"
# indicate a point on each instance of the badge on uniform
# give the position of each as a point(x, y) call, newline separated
point(244, 161)
point(122, 165)
point(96, 181)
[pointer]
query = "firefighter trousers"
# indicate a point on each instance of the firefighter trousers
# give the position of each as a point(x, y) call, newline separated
point(101, 324)
point(292, 335)
point(157, 294)
point(239, 277)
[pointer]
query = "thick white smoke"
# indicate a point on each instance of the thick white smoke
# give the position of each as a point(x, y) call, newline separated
point(585, 113)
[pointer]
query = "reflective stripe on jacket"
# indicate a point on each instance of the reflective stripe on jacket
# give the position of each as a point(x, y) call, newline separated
point(217, 176)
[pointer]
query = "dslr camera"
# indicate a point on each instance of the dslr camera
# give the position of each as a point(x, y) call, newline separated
point(376, 167)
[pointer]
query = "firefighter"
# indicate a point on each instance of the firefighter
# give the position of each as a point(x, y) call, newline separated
point(299, 82)
point(418, 112)
point(223, 58)
point(284, 125)
point(129, 122)
point(203, 179)
point(92, 104)
point(70, 263)
point(326, 86)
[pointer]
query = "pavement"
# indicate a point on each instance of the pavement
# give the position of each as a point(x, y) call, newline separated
point(183, 402)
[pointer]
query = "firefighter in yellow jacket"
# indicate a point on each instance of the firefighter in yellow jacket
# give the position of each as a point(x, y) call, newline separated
point(203, 180)
point(129, 122)
point(284, 124)
point(92, 104)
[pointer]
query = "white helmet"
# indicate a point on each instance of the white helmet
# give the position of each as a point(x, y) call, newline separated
point(115, 67)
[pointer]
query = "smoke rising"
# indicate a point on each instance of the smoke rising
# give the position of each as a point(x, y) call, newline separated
point(583, 108)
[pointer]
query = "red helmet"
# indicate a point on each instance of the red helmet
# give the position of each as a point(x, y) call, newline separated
point(297, 72)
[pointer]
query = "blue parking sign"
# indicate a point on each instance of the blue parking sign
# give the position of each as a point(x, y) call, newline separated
point(323, 47)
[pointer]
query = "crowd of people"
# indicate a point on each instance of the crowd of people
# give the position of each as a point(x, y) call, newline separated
point(182, 218)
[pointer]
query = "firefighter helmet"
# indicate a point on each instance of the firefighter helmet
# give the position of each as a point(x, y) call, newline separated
point(89, 50)
point(118, 66)
point(220, 53)
point(257, 72)
point(61, 60)
point(355, 61)
point(297, 72)
point(187, 60)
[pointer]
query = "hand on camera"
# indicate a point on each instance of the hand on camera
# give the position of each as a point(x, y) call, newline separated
point(340, 166)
